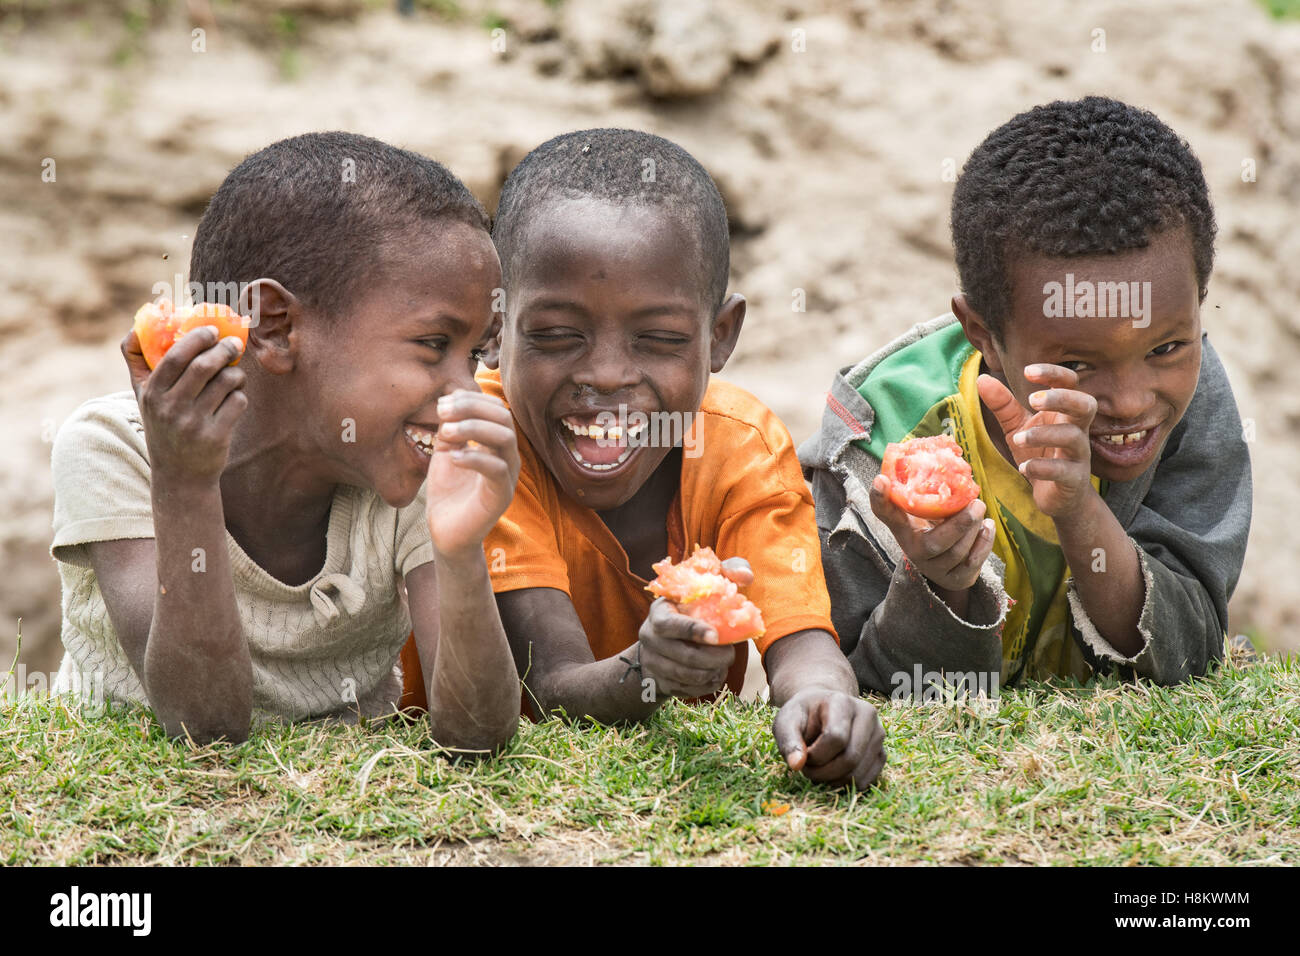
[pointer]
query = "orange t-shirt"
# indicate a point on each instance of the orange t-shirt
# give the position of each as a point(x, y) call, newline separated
point(743, 496)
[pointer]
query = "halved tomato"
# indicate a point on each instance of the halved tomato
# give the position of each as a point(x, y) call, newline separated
point(928, 477)
point(158, 325)
point(700, 590)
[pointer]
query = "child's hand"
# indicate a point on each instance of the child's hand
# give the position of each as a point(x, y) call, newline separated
point(1050, 445)
point(677, 656)
point(470, 488)
point(830, 736)
point(949, 552)
point(189, 403)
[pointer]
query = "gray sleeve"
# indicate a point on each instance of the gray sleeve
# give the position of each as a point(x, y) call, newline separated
point(1190, 532)
point(888, 618)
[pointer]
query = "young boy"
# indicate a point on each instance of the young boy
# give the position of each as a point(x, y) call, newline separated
point(614, 248)
point(233, 540)
point(1097, 419)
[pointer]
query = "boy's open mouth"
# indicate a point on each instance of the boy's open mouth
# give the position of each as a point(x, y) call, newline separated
point(597, 449)
point(1124, 449)
point(420, 438)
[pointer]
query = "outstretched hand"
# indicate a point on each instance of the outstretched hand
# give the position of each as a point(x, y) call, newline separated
point(1049, 444)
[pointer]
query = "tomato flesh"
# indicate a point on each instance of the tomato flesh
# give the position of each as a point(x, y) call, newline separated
point(928, 477)
point(158, 325)
point(700, 590)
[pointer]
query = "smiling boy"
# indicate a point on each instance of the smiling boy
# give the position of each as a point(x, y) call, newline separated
point(614, 249)
point(260, 539)
point(1116, 490)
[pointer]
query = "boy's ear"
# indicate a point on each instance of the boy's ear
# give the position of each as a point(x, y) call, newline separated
point(977, 332)
point(726, 331)
point(492, 350)
point(274, 310)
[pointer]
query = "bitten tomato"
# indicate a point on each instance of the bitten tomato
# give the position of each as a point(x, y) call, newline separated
point(700, 590)
point(928, 477)
point(158, 325)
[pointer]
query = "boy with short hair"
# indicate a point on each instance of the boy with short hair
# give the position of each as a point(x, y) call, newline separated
point(614, 250)
point(259, 540)
point(1116, 492)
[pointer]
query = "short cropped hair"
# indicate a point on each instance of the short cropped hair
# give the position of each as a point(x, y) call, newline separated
point(1073, 178)
point(622, 167)
point(315, 212)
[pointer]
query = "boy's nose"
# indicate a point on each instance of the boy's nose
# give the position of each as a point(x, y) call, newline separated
point(1128, 400)
point(463, 380)
point(608, 369)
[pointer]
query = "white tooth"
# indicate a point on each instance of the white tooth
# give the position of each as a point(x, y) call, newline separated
point(623, 457)
point(615, 433)
point(576, 457)
point(595, 431)
point(635, 430)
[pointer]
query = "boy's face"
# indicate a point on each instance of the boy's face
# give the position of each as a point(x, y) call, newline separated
point(1141, 362)
point(415, 334)
point(607, 311)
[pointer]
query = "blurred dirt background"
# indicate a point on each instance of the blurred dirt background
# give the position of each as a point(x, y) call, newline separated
point(831, 128)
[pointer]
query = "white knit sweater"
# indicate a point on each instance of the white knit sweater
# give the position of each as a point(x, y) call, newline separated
point(326, 647)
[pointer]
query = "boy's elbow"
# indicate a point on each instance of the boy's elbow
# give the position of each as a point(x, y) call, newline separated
point(206, 721)
point(1188, 667)
point(476, 740)
point(204, 730)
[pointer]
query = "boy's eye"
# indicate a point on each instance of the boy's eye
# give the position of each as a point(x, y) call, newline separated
point(477, 355)
point(439, 343)
point(553, 339)
point(1166, 348)
point(1074, 365)
point(666, 340)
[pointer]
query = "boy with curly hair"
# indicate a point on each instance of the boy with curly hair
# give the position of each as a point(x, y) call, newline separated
point(1074, 373)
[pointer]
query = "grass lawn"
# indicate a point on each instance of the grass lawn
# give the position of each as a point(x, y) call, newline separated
point(1101, 774)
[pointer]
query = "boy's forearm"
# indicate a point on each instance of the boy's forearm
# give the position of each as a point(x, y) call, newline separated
point(593, 690)
point(1106, 571)
point(473, 691)
point(904, 622)
point(807, 659)
point(958, 601)
point(196, 668)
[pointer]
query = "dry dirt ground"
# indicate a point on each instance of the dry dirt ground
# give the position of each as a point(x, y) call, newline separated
point(828, 126)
